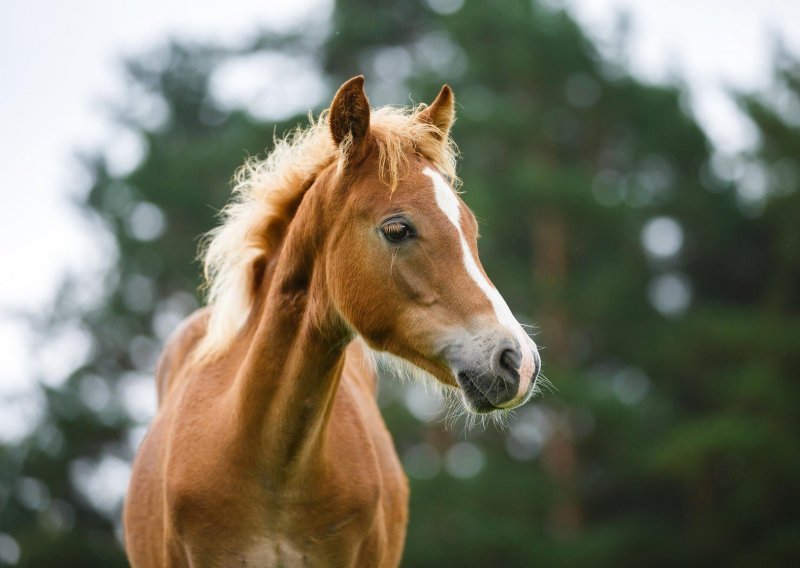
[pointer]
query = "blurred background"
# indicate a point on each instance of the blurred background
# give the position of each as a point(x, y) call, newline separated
point(635, 169)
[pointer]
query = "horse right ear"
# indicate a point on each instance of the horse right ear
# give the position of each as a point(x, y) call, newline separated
point(349, 115)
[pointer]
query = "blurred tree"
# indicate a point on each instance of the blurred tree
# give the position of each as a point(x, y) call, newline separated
point(664, 285)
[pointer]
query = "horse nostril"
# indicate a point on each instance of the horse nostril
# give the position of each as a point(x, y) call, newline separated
point(509, 361)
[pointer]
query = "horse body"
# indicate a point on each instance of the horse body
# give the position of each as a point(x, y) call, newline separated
point(268, 448)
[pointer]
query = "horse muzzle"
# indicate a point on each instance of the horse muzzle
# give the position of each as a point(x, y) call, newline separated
point(495, 375)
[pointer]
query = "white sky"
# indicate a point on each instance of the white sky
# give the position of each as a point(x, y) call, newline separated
point(59, 61)
point(709, 43)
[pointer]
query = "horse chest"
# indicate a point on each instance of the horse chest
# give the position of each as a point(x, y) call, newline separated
point(316, 535)
point(288, 531)
point(276, 552)
point(324, 548)
point(345, 519)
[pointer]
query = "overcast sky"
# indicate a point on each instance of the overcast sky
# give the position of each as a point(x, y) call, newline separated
point(60, 60)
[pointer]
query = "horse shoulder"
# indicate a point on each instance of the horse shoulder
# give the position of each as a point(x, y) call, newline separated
point(177, 348)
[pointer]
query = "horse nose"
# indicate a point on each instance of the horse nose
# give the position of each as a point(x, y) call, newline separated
point(505, 364)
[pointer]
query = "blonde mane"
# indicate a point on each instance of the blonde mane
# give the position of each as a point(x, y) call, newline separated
point(267, 192)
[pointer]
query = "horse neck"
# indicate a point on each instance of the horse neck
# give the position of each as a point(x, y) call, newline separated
point(288, 380)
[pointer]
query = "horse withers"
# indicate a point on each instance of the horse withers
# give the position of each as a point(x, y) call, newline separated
point(268, 448)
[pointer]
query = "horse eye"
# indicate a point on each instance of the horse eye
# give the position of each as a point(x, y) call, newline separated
point(396, 231)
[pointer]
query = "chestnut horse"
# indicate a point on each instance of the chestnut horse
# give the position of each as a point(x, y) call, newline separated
point(268, 448)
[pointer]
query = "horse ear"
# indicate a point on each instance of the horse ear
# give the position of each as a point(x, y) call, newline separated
point(441, 113)
point(349, 114)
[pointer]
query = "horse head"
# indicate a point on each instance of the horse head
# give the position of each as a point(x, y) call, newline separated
point(402, 262)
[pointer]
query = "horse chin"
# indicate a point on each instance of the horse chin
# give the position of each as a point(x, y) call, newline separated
point(474, 400)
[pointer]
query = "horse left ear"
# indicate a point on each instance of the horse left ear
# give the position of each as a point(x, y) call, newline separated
point(349, 114)
point(442, 112)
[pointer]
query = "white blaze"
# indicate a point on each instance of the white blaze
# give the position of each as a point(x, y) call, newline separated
point(448, 202)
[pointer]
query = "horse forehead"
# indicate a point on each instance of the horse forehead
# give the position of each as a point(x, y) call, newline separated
point(416, 191)
point(413, 191)
point(423, 184)
point(448, 202)
point(445, 196)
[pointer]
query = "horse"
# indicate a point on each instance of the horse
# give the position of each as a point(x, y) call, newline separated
point(349, 239)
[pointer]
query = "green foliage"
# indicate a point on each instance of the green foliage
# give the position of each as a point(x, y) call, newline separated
point(671, 436)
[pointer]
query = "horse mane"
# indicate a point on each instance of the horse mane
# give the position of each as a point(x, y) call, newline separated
point(266, 194)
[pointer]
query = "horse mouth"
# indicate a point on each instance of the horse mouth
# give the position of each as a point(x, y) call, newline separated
point(475, 399)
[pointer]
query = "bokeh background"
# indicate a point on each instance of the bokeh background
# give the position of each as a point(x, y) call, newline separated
point(635, 170)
